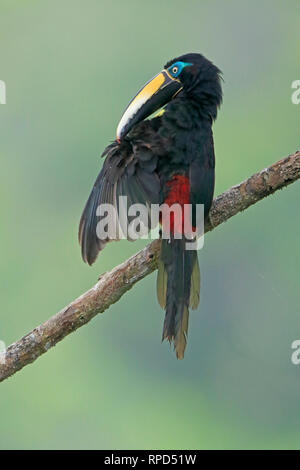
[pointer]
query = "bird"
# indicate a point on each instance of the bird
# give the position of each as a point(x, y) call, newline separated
point(163, 154)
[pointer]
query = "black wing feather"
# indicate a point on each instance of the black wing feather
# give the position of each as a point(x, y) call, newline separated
point(129, 170)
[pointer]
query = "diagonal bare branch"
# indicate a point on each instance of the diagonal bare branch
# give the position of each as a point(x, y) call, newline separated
point(112, 285)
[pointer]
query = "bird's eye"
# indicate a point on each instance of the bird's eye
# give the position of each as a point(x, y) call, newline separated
point(176, 68)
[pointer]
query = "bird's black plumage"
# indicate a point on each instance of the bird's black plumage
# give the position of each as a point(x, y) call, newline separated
point(163, 159)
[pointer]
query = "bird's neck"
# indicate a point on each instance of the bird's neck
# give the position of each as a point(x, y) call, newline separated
point(188, 113)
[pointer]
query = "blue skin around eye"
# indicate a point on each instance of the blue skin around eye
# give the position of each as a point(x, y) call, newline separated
point(180, 66)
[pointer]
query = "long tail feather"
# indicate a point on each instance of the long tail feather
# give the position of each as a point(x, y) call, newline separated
point(178, 288)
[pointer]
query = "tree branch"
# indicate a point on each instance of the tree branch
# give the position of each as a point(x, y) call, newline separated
point(112, 285)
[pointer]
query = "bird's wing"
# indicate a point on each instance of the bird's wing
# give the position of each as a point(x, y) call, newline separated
point(129, 170)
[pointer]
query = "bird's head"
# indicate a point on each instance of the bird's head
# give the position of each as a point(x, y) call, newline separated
point(190, 75)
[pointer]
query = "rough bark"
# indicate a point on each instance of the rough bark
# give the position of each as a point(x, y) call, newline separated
point(112, 285)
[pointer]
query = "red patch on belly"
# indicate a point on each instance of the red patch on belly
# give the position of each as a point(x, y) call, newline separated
point(178, 193)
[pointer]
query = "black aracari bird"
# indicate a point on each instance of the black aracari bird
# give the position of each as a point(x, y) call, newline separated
point(169, 159)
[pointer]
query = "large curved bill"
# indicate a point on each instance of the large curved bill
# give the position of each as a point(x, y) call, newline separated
point(155, 94)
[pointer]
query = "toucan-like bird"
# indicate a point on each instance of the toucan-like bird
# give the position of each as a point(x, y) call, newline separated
point(169, 159)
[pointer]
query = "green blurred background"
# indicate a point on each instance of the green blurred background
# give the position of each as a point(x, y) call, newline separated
point(70, 68)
